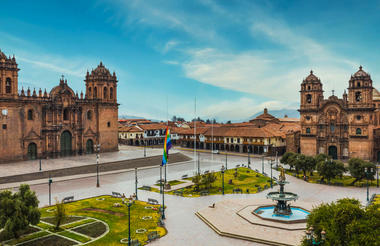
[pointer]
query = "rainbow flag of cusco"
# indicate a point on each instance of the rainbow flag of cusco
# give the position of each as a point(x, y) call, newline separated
point(167, 146)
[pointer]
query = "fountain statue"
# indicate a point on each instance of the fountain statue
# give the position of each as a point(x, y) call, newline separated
point(282, 197)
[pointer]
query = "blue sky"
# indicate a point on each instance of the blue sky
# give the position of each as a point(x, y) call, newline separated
point(235, 57)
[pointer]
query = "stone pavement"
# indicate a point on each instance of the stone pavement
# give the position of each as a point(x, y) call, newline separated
point(125, 153)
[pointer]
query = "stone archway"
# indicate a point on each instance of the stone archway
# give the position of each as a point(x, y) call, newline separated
point(89, 146)
point(66, 143)
point(32, 151)
point(333, 152)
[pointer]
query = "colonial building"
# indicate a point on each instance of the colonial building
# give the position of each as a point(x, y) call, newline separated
point(341, 127)
point(58, 123)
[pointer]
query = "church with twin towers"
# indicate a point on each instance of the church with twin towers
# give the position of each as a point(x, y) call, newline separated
point(40, 124)
point(344, 127)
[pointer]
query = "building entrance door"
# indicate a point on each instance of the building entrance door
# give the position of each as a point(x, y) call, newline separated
point(333, 152)
point(66, 143)
point(89, 146)
point(378, 156)
point(32, 151)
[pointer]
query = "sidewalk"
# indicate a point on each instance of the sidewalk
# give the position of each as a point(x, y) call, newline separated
point(227, 153)
point(32, 166)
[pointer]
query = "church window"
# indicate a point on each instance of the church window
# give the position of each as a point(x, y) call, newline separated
point(4, 126)
point(358, 96)
point(30, 114)
point(332, 127)
point(89, 115)
point(66, 114)
point(308, 87)
point(345, 128)
point(358, 131)
point(358, 84)
point(308, 118)
point(308, 98)
point(95, 92)
point(308, 130)
point(109, 124)
point(358, 117)
point(8, 85)
point(89, 92)
point(105, 93)
point(111, 93)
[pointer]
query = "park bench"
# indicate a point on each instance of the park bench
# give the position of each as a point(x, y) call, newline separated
point(274, 178)
point(257, 171)
point(265, 174)
point(152, 201)
point(266, 187)
point(207, 171)
point(238, 165)
point(258, 189)
point(116, 194)
point(184, 176)
point(145, 187)
point(153, 235)
point(68, 199)
point(160, 181)
point(135, 242)
point(204, 193)
point(238, 190)
point(161, 222)
point(178, 193)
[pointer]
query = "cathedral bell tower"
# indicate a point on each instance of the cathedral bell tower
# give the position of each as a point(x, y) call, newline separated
point(101, 85)
point(8, 76)
point(360, 90)
point(311, 92)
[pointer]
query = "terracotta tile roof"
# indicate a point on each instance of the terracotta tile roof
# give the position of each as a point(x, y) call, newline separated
point(153, 126)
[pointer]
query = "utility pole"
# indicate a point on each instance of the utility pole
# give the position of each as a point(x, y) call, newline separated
point(262, 164)
point(199, 164)
point(136, 181)
point(97, 148)
point(50, 182)
point(226, 161)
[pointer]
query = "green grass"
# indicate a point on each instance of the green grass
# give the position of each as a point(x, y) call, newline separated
point(75, 236)
point(118, 224)
point(376, 200)
point(67, 220)
point(346, 180)
point(28, 237)
point(29, 230)
point(246, 179)
point(50, 240)
point(93, 230)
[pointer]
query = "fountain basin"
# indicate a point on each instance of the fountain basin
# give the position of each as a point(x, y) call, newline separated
point(298, 215)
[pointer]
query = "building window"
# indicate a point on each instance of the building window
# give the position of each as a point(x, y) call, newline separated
point(358, 96)
point(308, 88)
point(308, 130)
point(308, 98)
point(332, 127)
point(89, 115)
point(66, 114)
point(358, 117)
point(95, 92)
point(308, 118)
point(89, 92)
point(358, 131)
point(30, 114)
point(4, 126)
point(8, 85)
point(109, 124)
point(111, 93)
point(105, 93)
point(238, 140)
point(358, 84)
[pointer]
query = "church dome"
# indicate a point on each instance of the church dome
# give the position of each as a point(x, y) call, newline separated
point(101, 70)
point(360, 73)
point(312, 78)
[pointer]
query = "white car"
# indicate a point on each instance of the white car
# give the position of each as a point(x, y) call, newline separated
point(215, 151)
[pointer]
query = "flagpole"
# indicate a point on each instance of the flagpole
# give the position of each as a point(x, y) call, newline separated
point(195, 132)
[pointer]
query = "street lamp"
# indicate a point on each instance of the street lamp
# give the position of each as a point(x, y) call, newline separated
point(377, 173)
point(40, 165)
point(145, 148)
point(226, 161)
point(222, 179)
point(262, 164)
point(271, 179)
point(368, 170)
point(97, 149)
point(136, 181)
point(129, 204)
point(312, 239)
point(50, 182)
point(249, 160)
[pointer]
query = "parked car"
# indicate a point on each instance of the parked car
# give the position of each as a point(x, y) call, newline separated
point(215, 151)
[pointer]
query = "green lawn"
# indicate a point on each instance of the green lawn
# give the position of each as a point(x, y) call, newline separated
point(173, 182)
point(246, 179)
point(377, 199)
point(345, 180)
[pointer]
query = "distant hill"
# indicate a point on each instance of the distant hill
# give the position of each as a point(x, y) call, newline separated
point(135, 117)
point(291, 113)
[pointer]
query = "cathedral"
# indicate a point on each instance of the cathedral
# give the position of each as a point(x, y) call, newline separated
point(341, 127)
point(59, 123)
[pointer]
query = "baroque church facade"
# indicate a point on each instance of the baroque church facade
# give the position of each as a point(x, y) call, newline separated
point(344, 127)
point(59, 123)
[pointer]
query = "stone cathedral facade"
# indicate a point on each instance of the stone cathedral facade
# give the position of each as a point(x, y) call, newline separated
point(341, 127)
point(36, 124)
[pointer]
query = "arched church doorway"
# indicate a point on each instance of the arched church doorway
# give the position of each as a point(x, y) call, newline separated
point(32, 151)
point(66, 143)
point(333, 152)
point(89, 146)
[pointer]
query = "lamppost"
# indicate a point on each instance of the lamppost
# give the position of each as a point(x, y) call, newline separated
point(368, 170)
point(222, 179)
point(136, 181)
point(129, 204)
point(312, 239)
point(249, 160)
point(377, 173)
point(276, 160)
point(226, 161)
point(262, 164)
point(199, 164)
point(97, 149)
point(50, 182)
point(271, 180)
point(145, 148)
point(40, 165)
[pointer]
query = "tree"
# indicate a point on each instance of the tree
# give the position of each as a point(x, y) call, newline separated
point(208, 179)
point(228, 122)
point(174, 118)
point(18, 210)
point(288, 159)
point(329, 169)
point(346, 222)
point(357, 166)
point(59, 214)
point(196, 179)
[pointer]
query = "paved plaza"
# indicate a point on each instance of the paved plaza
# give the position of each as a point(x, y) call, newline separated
point(184, 227)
